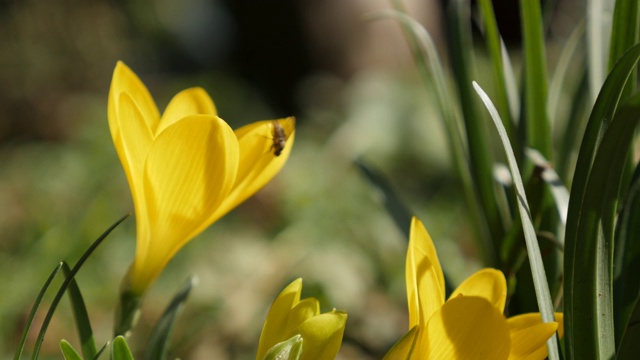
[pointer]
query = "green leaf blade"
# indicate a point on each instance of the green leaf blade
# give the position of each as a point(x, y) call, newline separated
point(541, 286)
point(535, 83)
point(34, 309)
point(159, 338)
point(601, 115)
point(68, 351)
point(626, 284)
point(120, 349)
point(83, 324)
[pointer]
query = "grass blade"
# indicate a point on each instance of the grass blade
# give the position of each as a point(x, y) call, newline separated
point(630, 345)
point(430, 68)
point(101, 351)
point(535, 81)
point(81, 316)
point(395, 207)
point(626, 285)
point(159, 339)
point(495, 49)
point(65, 284)
point(120, 349)
point(533, 250)
point(602, 113)
point(568, 57)
point(34, 309)
point(624, 33)
point(596, 48)
point(558, 190)
point(480, 157)
point(68, 351)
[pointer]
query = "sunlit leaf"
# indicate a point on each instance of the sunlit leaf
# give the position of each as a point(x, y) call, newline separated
point(535, 258)
point(68, 351)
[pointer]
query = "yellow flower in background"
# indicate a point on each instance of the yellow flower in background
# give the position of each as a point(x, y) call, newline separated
point(471, 324)
point(186, 168)
point(289, 316)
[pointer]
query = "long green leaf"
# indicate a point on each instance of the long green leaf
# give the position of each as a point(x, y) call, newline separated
point(68, 351)
point(624, 32)
point(159, 339)
point(558, 190)
point(101, 351)
point(568, 57)
point(480, 157)
point(596, 48)
point(89, 350)
point(399, 212)
point(34, 309)
point(535, 82)
point(593, 267)
point(601, 115)
point(65, 285)
point(120, 349)
point(626, 285)
point(430, 68)
point(630, 345)
point(533, 250)
point(495, 50)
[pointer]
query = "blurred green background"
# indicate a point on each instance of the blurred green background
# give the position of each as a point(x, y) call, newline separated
point(353, 87)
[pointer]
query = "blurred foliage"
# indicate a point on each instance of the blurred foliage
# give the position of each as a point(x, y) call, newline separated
point(356, 96)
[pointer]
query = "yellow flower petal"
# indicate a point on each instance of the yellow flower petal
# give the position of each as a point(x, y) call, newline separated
point(125, 81)
point(276, 324)
point(258, 164)
point(529, 335)
point(425, 281)
point(403, 349)
point(133, 148)
point(302, 311)
point(187, 102)
point(189, 169)
point(486, 283)
point(322, 335)
point(468, 328)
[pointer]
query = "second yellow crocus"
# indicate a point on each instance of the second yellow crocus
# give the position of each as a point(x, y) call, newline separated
point(470, 324)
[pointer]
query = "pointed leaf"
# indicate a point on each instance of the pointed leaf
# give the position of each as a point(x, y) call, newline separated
point(65, 284)
point(535, 82)
point(541, 286)
point(630, 344)
point(479, 153)
point(159, 338)
point(34, 309)
point(83, 324)
point(398, 210)
point(120, 349)
point(68, 351)
point(287, 350)
point(626, 265)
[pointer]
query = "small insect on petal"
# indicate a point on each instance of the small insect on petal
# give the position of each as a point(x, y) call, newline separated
point(280, 136)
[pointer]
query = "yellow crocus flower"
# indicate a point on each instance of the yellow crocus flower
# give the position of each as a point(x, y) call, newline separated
point(186, 168)
point(289, 316)
point(470, 324)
